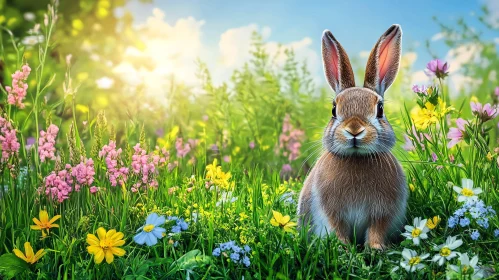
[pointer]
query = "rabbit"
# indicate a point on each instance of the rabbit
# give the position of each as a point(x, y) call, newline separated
point(357, 188)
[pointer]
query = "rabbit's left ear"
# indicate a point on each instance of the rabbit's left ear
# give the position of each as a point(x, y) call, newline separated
point(383, 63)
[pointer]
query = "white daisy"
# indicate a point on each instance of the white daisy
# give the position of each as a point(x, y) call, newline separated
point(467, 192)
point(411, 261)
point(445, 252)
point(464, 269)
point(417, 232)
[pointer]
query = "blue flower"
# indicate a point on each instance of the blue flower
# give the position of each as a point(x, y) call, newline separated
point(496, 233)
point(176, 229)
point(234, 257)
point(182, 224)
point(464, 222)
point(216, 252)
point(475, 235)
point(247, 249)
point(227, 245)
point(150, 232)
point(246, 261)
point(452, 221)
point(460, 212)
point(483, 223)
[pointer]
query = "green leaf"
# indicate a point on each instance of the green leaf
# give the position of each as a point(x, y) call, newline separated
point(10, 265)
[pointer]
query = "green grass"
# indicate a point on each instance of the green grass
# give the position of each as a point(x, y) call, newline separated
point(253, 109)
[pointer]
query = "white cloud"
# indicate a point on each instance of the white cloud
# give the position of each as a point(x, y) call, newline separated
point(171, 51)
point(493, 17)
point(437, 36)
point(456, 58)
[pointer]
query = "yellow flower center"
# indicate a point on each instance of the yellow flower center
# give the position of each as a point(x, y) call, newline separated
point(445, 252)
point(148, 228)
point(465, 269)
point(414, 260)
point(467, 192)
point(415, 232)
point(105, 244)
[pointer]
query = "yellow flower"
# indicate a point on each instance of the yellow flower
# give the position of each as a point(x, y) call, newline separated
point(412, 187)
point(106, 245)
point(242, 216)
point(44, 223)
point(282, 221)
point(433, 222)
point(30, 256)
point(217, 177)
point(490, 157)
point(424, 117)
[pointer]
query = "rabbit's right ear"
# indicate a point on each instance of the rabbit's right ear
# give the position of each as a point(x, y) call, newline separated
point(337, 68)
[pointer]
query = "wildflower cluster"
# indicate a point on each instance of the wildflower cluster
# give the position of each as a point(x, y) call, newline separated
point(290, 142)
point(179, 225)
point(8, 140)
point(235, 253)
point(144, 166)
point(58, 184)
point(84, 173)
point(217, 177)
point(116, 170)
point(473, 212)
point(18, 91)
point(46, 143)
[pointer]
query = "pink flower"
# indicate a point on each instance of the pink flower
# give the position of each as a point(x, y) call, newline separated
point(116, 171)
point(252, 145)
point(58, 184)
point(226, 158)
point(94, 189)
point(408, 146)
point(496, 91)
point(484, 112)
point(456, 135)
point(8, 140)
point(290, 140)
point(205, 118)
point(286, 168)
point(145, 167)
point(182, 149)
point(46, 143)
point(438, 68)
point(84, 173)
point(18, 91)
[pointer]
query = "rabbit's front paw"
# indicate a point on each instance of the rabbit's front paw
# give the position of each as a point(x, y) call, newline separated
point(377, 246)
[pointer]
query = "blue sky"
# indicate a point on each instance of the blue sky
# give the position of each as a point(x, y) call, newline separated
point(356, 24)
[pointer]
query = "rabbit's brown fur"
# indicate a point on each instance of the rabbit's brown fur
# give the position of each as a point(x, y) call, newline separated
point(357, 188)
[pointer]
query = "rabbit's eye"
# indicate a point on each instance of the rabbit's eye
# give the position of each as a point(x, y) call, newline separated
point(334, 110)
point(380, 110)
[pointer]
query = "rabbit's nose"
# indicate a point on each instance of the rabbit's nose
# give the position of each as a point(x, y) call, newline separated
point(355, 131)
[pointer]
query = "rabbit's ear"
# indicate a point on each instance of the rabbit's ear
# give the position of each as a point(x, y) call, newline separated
point(337, 66)
point(383, 63)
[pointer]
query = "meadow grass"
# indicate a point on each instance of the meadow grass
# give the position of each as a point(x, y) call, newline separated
point(227, 180)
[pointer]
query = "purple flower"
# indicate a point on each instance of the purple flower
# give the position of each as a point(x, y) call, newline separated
point(160, 132)
point(252, 145)
point(434, 157)
point(286, 168)
point(456, 135)
point(484, 112)
point(437, 68)
point(420, 89)
point(30, 141)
